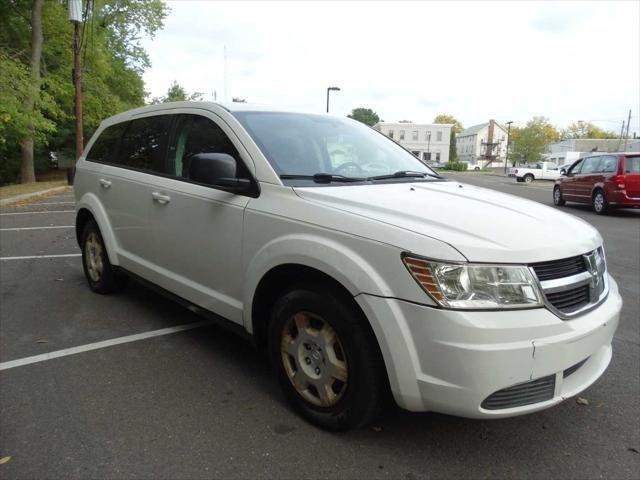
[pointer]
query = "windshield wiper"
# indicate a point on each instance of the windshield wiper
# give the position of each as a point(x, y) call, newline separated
point(323, 178)
point(404, 174)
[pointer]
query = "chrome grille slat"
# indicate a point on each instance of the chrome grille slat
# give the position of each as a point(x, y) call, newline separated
point(574, 285)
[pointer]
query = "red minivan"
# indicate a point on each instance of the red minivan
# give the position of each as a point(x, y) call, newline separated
point(605, 180)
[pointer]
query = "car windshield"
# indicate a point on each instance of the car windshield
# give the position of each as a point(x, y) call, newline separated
point(306, 145)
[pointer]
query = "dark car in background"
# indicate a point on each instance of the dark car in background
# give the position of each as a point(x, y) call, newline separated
point(607, 180)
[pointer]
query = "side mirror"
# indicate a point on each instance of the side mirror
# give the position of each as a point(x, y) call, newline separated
point(208, 168)
point(218, 170)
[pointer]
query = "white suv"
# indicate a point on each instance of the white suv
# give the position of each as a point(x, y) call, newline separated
point(359, 269)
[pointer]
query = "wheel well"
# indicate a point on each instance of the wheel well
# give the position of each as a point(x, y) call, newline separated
point(596, 190)
point(275, 282)
point(83, 217)
point(529, 175)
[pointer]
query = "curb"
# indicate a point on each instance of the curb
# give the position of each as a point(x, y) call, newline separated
point(26, 196)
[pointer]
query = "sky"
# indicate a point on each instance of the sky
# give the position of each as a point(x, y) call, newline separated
point(567, 61)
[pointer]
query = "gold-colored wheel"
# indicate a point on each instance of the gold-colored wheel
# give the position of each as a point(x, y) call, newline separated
point(314, 359)
point(93, 256)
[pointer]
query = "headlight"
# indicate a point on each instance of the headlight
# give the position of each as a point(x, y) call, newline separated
point(469, 286)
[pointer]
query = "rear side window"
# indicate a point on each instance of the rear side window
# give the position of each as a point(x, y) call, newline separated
point(105, 146)
point(632, 164)
point(590, 165)
point(143, 145)
point(609, 164)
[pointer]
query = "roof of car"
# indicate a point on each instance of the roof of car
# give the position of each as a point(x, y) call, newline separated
point(228, 106)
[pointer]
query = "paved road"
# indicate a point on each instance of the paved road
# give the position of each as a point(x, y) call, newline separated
point(201, 403)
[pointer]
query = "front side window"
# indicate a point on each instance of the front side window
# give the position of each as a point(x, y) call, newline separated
point(575, 168)
point(143, 144)
point(307, 144)
point(197, 134)
point(104, 148)
point(590, 165)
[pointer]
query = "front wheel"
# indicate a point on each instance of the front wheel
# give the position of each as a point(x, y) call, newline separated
point(326, 358)
point(557, 197)
point(101, 275)
point(600, 205)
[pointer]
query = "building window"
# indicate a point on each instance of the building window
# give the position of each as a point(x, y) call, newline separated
point(437, 156)
point(426, 156)
point(390, 133)
point(439, 136)
point(414, 135)
point(401, 135)
point(417, 154)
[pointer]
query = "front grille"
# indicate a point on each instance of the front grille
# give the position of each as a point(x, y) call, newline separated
point(568, 301)
point(573, 369)
point(559, 268)
point(522, 394)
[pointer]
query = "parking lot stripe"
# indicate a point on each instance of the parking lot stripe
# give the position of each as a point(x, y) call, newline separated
point(39, 211)
point(34, 228)
point(29, 257)
point(98, 345)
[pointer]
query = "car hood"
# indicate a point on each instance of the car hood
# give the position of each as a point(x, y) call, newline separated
point(482, 224)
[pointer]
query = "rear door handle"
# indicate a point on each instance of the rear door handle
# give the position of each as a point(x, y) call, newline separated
point(105, 183)
point(160, 197)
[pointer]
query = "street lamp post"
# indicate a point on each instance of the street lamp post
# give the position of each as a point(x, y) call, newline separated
point(335, 89)
point(506, 155)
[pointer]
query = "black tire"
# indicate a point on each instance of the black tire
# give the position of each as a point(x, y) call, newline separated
point(108, 279)
point(365, 388)
point(528, 178)
point(557, 197)
point(600, 204)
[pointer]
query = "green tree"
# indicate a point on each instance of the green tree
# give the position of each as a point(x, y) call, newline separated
point(176, 93)
point(450, 119)
point(365, 115)
point(582, 129)
point(112, 65)
point(528, 143)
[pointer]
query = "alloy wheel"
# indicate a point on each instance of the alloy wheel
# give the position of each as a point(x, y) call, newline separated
point(313, 359)
point(598, 202)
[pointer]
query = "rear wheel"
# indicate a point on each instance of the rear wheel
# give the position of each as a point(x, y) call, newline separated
point(557, 197)
point(528, 178)
point(326, 358)
point(101, 275)
point(600, 205)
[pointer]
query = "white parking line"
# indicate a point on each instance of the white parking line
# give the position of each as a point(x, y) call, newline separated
point(39, 211)
point(104, 344)
point(33, 228)
point(30, 257)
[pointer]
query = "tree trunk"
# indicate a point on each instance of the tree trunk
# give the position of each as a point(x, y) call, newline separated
point(27, 172)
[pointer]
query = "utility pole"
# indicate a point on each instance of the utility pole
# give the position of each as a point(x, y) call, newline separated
point(627, 134)
point(621, 135)
point(75, 16)
point(506, 155)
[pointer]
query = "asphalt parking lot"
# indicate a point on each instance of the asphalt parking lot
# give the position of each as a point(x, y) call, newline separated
point(187, 400)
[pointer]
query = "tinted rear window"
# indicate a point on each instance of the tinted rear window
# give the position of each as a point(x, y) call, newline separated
point(143, 145)
point(105, 146)
point(632, 164)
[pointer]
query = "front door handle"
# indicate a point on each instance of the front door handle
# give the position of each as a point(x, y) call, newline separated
point(160, 197)
point(105, 183)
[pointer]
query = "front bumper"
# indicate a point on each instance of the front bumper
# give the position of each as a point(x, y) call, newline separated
point(451, 361)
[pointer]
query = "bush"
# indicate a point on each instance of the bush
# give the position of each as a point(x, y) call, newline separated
point(456, 166)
